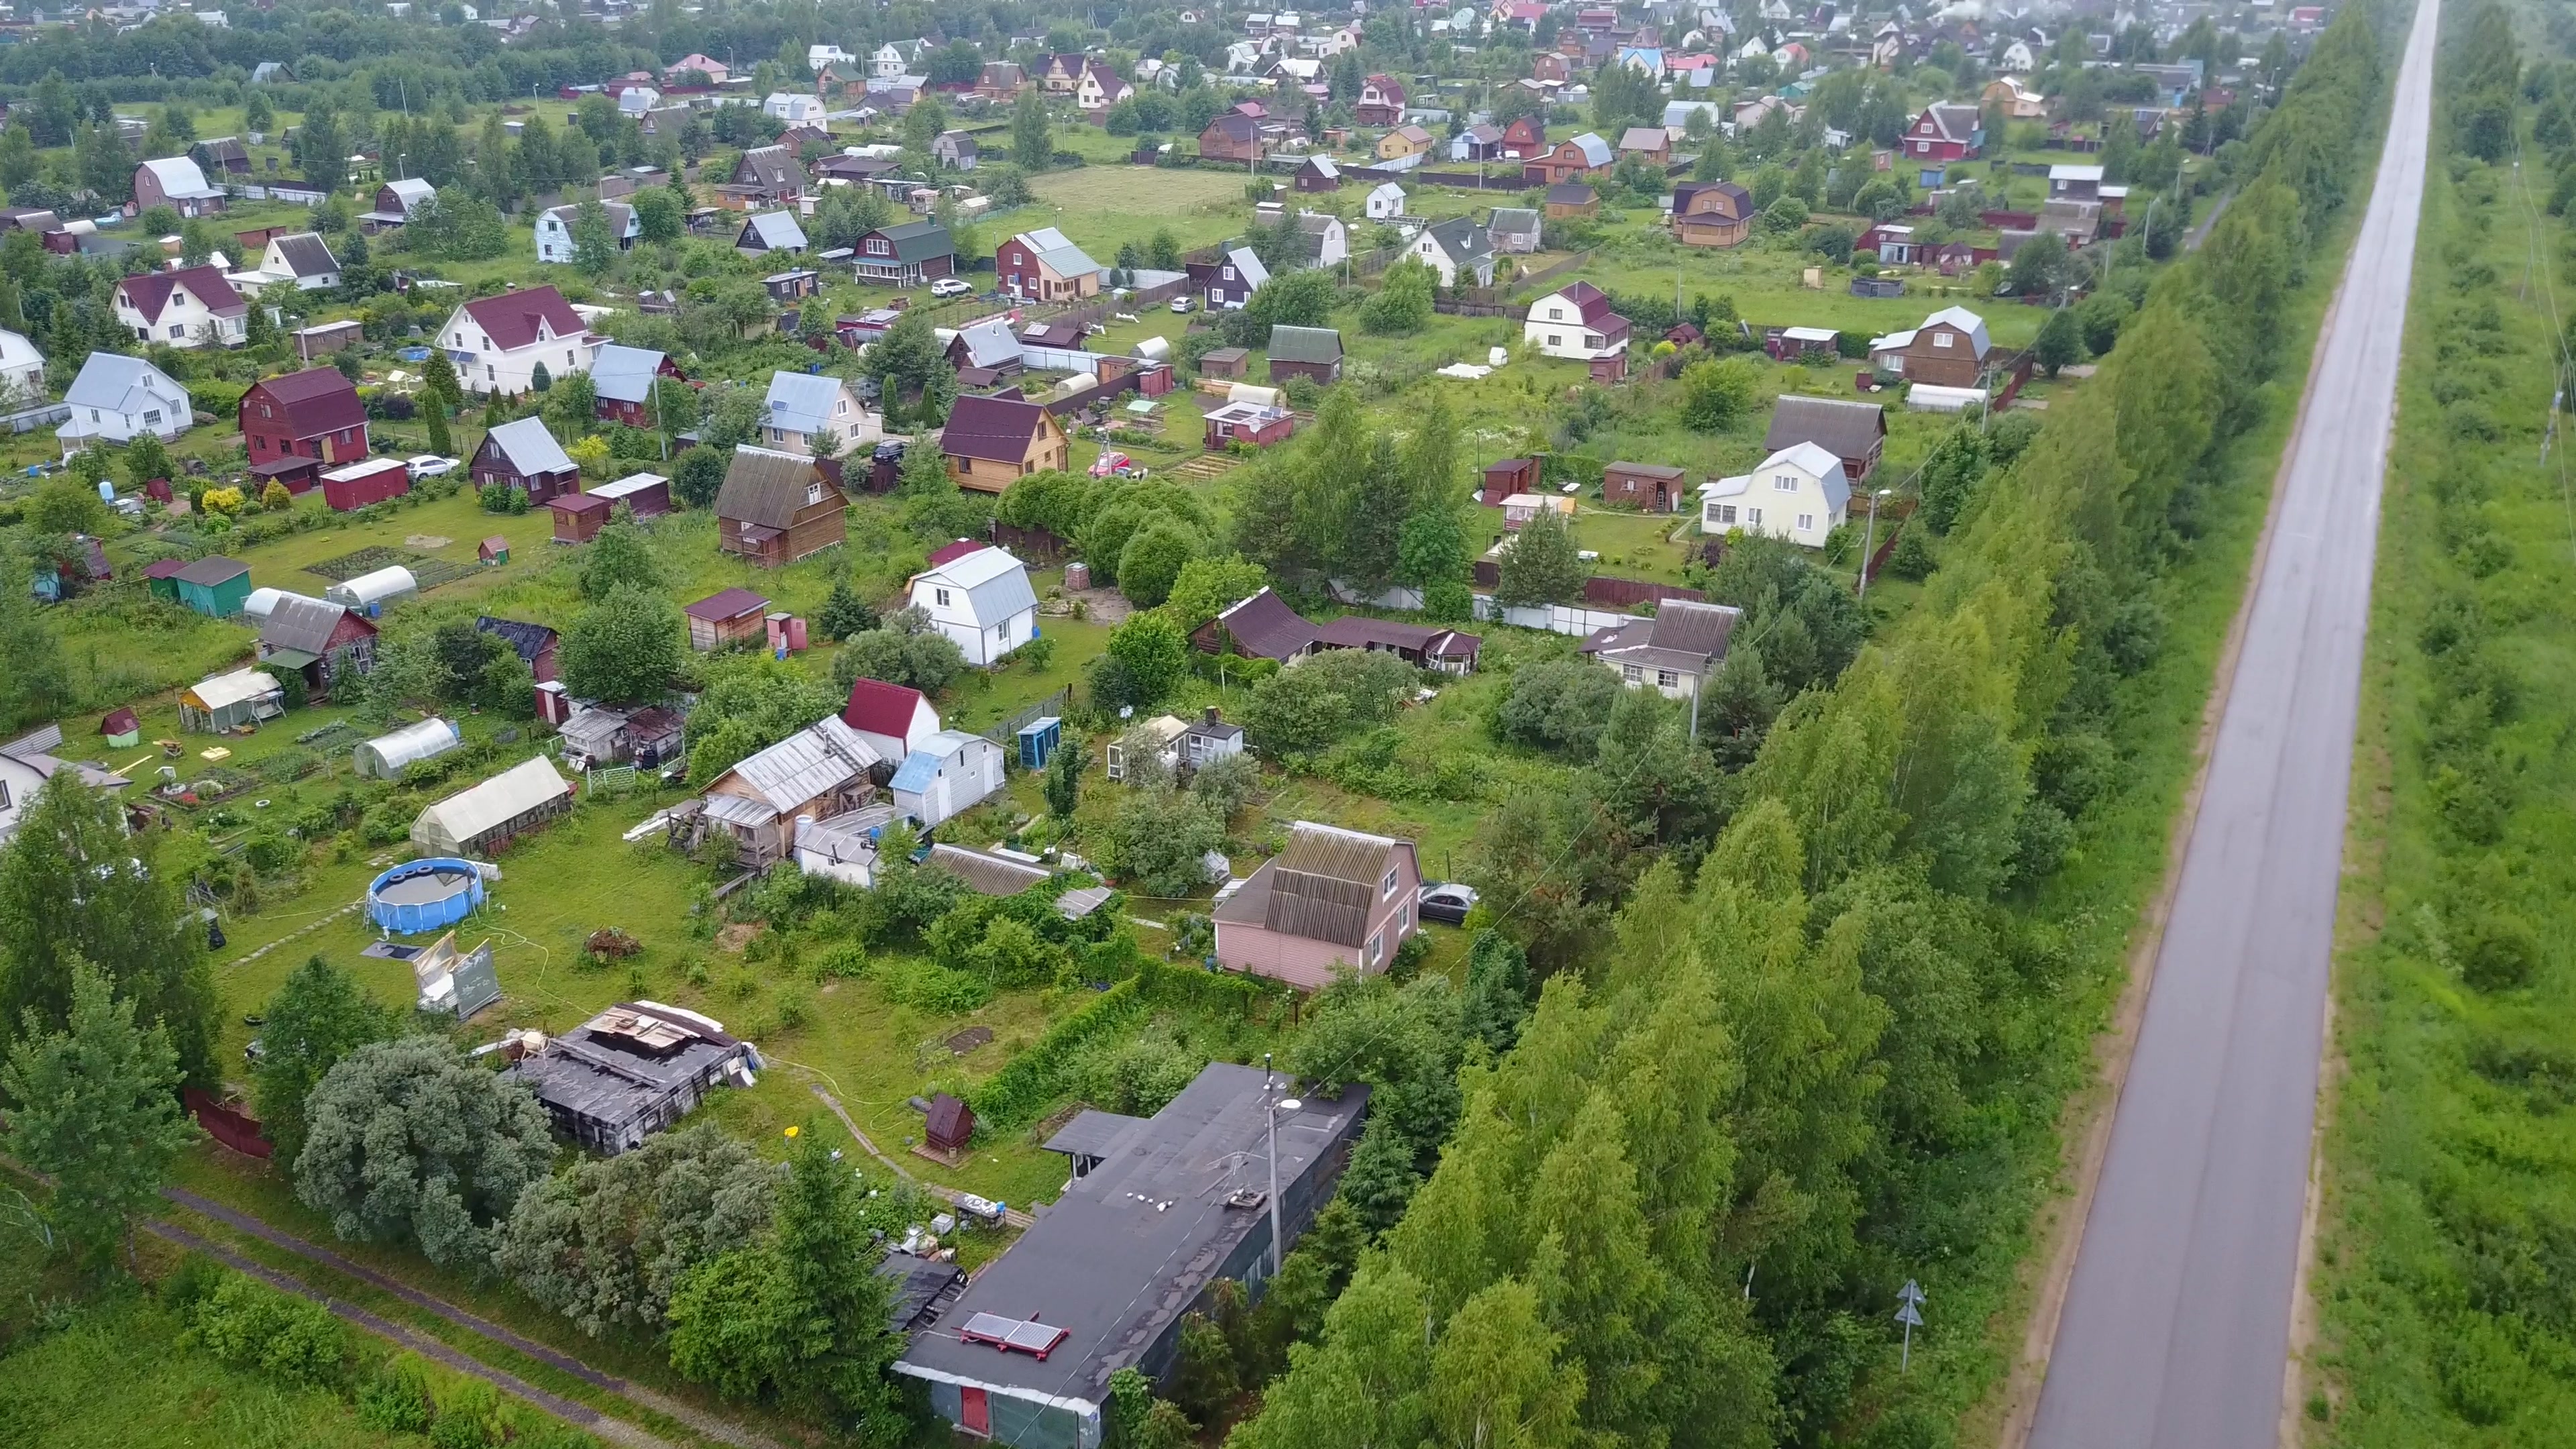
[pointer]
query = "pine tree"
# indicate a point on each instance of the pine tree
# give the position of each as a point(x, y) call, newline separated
point(96, 1105)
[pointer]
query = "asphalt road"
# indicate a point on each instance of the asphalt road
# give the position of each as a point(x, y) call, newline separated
point(2176, 1326)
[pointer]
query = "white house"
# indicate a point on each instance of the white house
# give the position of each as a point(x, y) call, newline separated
point(801, 407)
point(497, 342)
point(1799, 493)
point(819, 56)
point(982, 600)
point(118, 398)
point(22, 371)
point(1575, 323)
point(27, 763)
point(1385, 203)
point(945, 774)
point(794, 107)
point(889, 61)
point(634, 101)
point(305, 257)
point(554, 230)
point(187, 307)
point(894, 719)
point(1456, 249)
point(1099, 89)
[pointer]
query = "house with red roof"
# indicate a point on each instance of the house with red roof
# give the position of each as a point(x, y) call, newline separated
point(184, 307)
point(990, 441)
point(892, 718)
point(296, 425)
point(1946, 131)
point(498, 343)
point(1576, 322)
point(1381, 101)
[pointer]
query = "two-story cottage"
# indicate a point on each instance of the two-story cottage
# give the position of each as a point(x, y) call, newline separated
point(1945, 131)
point(555, 243)
point(1381, 101)
point(776, 508)
point(1711, 214)
point(1323, 239)
point(1799, 493)
point(906, 255)
point(1674, 652)
point(956, 150)
point(1232, 279)
point(1233, 138)
point(177, 183)
point(497, 343)
point(524, 457)
point(803, 409)
point(981, 599)
point(323, 641)
point(184, 307)
point(1572, 160)
point(622, 380)
point(1333, 898)
point(396, 201)
point(1458, 250)
point(1099, 89)
point(1948, 350)
point(765, 176)
point(116, 399)
point(306, 420)
point(990, 441)
point(1576, 323)
point(1524, 138)
point(1045, 266)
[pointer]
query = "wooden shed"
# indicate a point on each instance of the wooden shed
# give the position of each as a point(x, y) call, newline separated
point(734, 616)
point(353, 487)
point(578, 516)
point(1652, 487)
point(1226, 362)
point(494, 550)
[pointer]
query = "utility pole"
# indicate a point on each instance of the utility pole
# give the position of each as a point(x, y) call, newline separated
point(1270, 1112)
point(1909, 1313)
point(1869, 542)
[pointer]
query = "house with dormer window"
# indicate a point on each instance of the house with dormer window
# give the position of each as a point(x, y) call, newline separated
point(777, 507)
point(186, 307)
point(1799, 493)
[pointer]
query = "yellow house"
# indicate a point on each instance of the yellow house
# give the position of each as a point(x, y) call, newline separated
point(1403, 141)
point(2014, 97)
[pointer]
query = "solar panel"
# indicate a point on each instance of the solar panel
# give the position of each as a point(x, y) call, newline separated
point(1025, 1334)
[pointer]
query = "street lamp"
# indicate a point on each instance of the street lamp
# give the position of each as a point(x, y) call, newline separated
point(1869, 540)
point(1271, 1114)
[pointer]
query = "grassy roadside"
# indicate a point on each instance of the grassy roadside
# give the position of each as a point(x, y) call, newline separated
point(2448, 1236)
point(2097, 908)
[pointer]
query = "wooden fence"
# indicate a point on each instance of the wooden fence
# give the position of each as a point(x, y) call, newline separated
point(1036, 544)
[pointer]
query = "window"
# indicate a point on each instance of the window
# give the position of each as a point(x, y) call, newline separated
point(1666, 679)
point(1553, 340)
point(1922, 148)
point(939, 597)
point(1632, 674)
point(1376, 944)
point(1806, 523)
point(777, 435)
point(1721, 513)
point(151, 417)
point(1784, 482)
point(1387, 887)
point(1940, 339)
point(814, 492)
point(1753, 518)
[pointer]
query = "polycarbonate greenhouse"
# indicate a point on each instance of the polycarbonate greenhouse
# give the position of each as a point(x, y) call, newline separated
point(385, 756)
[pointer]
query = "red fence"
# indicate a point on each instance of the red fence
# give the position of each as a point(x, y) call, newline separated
point(226, 1124)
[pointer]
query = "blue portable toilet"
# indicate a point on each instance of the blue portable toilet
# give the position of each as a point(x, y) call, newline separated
point(1039, 741)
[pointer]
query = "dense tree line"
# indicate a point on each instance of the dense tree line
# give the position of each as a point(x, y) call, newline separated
point(1750, 1103)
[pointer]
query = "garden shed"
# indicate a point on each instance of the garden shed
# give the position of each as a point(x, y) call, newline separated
point(385, 756)
point(578, 516)
point(488, 816)
point(216, 587)
point(229, 701)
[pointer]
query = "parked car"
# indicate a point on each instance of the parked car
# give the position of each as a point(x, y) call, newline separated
point(950, 287)
point(1185, 303)
point(1446, 902)
point(429, 465)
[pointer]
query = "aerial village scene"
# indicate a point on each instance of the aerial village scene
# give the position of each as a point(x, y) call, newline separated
point(785, 724)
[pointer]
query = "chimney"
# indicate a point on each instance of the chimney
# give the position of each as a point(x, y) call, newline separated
point(1211, 714)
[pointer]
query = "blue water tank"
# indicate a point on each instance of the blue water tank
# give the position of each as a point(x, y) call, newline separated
point(106, 491)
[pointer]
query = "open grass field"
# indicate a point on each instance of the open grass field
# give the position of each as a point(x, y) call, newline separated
point(1103, 207)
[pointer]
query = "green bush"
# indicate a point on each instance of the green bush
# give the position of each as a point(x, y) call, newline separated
point(249, 1325)
point(470, 1417)
point(927, 986)
point(395, 1399)
point(1023, 1089)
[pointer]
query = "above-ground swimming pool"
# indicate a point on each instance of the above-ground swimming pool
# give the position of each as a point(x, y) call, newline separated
point(425, 895)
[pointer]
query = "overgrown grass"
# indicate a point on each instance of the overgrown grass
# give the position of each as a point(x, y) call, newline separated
point(2449, 1228)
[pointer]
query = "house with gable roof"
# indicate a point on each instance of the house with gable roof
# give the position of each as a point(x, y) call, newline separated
point(1045, 266)
point(1799, 493)
point(1576, 322)
point(498, 342)
point(770, 231)
point(395, 203)
point(981, 599)
point(524, 457)
point(1333, 898)
point(1458, 250)
point(765, 176)
point(803, 406)
point(312, 417)
point(986, 352)
point(1232, 279)
point(117, 398)
point(304, 256)
point(1099, 89)
point(1948, 349)
point(1945, 131)
point(622, 379)
point(1569, 160)
point(184, 307)
point(990, 441)
point(1673, 652)
point(777, 507)
point(906, 255)
point(818, 772)
point(1711, 214)
point(555, 244)
point(893, 718)
point(1381, 101)
point(177, 183)
point(1853, 431)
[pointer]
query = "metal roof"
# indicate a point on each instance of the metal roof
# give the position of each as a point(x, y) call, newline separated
point(777, 231)
point(802, 402)
point(1322, 887)
point(985, 874)
point(529, 448)
point(1849, 429)
point(225, 690)
point(816, 760)
point(996, 584)
point(1057, 252)
point(109, 381)
point(624, 374)
point(181, 179)
point(301, 622)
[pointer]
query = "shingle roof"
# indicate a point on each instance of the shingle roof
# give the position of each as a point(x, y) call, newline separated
point(766, 487)
point(1463, 240)
point(149, 292)
point(1644, 138)
point(525, 640)
point(1847, 429)
point(727, 604)
point(1512, 221)
point(529, 448)
point(306, 254)
point(1570, 193)
point(315, 401)
point(1304, 344)
point(771, 167)
point(987, 875)
point(624, 374)
point(994, 429)
point(1264, 627)
point(512, 320)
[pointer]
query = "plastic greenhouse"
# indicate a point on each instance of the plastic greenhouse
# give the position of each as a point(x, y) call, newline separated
point(385, 756)
point(368, 590)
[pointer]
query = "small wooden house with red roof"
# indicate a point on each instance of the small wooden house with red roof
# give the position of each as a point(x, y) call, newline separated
point(732, 616)
point(310, 418)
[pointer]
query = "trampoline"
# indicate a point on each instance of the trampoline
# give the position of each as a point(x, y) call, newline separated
point(425, 895)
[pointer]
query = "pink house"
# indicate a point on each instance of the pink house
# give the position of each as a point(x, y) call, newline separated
point(1333, 898)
